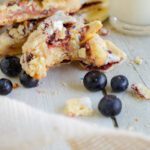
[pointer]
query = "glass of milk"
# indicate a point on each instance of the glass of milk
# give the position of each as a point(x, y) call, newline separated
point(130, 16)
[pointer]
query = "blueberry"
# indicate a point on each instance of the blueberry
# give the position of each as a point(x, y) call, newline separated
point(5, 86)
point(10, 66)
point(110, 106)
point(95, 81)
point(27, 81)
point(119, 83)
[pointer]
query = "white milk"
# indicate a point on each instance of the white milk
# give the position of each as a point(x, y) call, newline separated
point(131, 12)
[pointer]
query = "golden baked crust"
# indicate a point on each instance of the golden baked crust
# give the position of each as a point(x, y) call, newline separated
point(21, 10)
point(69, 6)
point(62, 38)
point(14, 37)
point(94, 10)
point(14, 11)
point(88, 12)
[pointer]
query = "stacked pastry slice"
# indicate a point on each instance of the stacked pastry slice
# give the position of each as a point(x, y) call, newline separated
point(47, 36)
point(12, 44)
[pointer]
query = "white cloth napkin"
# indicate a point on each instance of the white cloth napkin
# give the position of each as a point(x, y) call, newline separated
point(25, 128)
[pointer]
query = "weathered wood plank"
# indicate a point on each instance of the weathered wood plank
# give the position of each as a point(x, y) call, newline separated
point(135, 112)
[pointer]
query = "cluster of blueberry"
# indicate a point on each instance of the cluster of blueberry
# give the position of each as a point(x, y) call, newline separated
point(11, 67)
point(110, 105)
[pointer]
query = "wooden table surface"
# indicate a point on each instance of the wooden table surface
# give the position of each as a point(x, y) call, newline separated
point(65, 82)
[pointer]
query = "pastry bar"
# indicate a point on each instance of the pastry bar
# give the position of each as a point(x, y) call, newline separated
point(21, 10)
point(13, 38)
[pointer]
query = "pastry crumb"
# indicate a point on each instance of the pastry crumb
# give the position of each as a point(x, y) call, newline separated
point(131, 128)
point(64, 84)
point(40, 91)
point(55, 93)
point(16, 85)
point(78, 107)
point(138, 60)
point(141, 91)
point(136, 119)
point(104, 31)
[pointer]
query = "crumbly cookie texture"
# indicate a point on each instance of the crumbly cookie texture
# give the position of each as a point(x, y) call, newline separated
point(78, 107)
point(11, 41)
point(18, 11)
point(93, 10)
point(70, 6)
point(14, 37)
point(14, 11)
point(62, 38)
point(141, 91)
point(138, 60)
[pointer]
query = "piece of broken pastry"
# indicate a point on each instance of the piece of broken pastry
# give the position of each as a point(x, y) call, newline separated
point(14, 11)
point(141, 91)
point(61, 38)
point(78, 107)
point(14, 37)
point(93, 10)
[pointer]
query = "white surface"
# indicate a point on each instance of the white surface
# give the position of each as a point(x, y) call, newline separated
point(65, 82)
point(51, 94)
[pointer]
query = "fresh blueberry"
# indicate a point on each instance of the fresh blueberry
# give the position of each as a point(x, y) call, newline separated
point(28, 81)
point(119, 83)
point(5, 86)
point(110, 106)
point(95, 81)
point(10, 66)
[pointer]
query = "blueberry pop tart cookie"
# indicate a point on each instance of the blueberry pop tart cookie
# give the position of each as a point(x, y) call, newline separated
point(14, 11)
point(93, 10)
point(14, 37)
point(12, 40)
point(61, 38)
